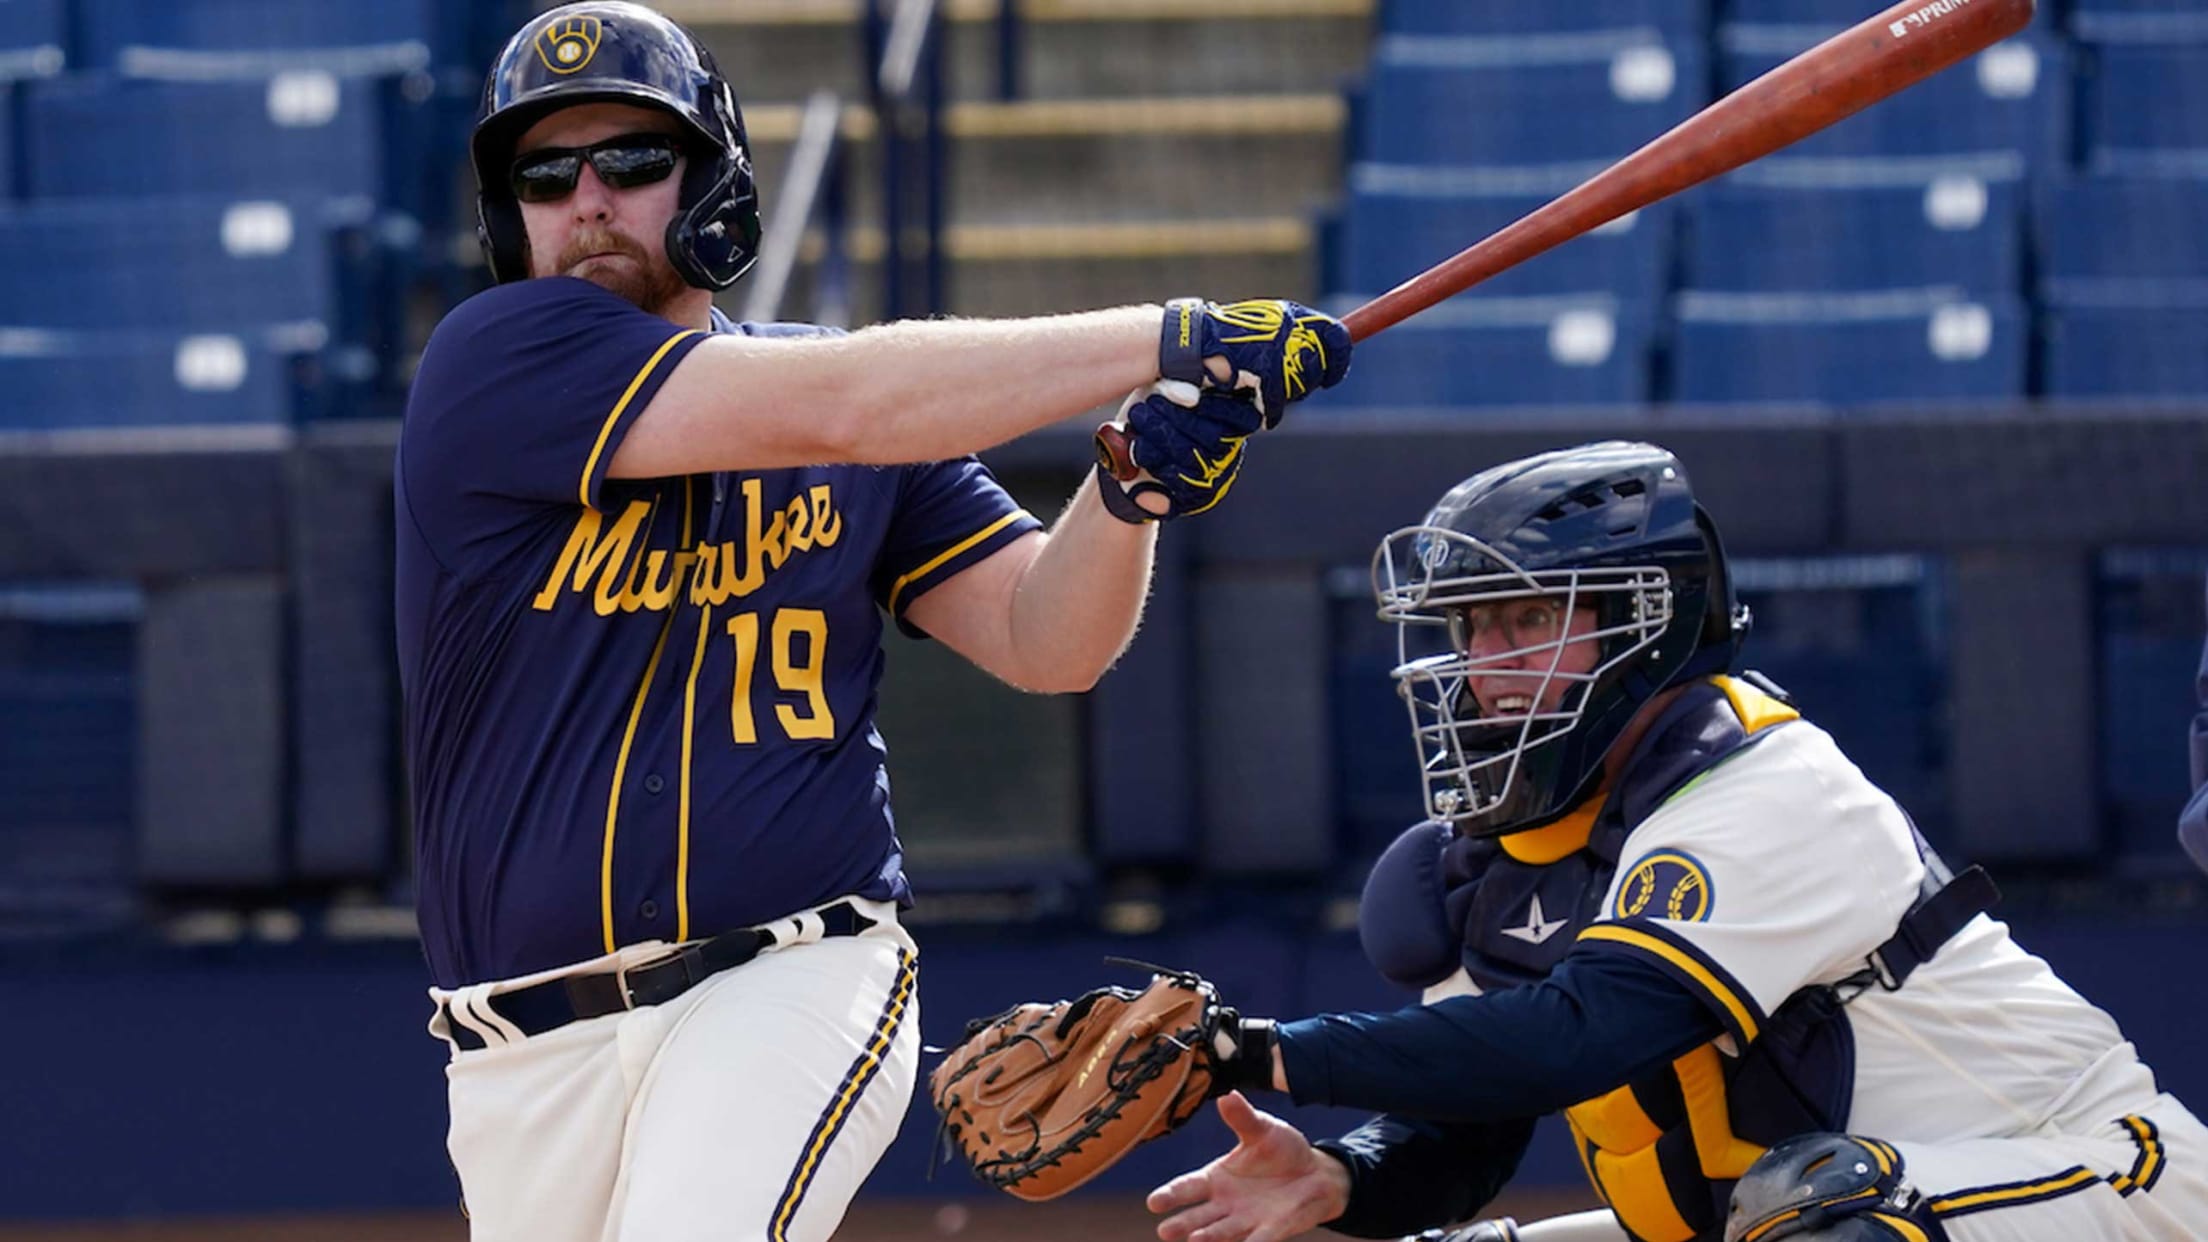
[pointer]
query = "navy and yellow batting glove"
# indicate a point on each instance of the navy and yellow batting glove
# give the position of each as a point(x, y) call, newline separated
point(1189, 443)
point(1278, 351)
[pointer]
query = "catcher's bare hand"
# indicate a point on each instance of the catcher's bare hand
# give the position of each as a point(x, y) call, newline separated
point(1271, 1187)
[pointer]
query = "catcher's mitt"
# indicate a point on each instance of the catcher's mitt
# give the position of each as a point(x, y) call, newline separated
point(1041, 1098)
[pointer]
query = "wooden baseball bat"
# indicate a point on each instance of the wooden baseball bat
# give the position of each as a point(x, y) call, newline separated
point(1828, 83)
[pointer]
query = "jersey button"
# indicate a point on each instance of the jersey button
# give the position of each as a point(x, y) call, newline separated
point(654, 783)
point(649, 909)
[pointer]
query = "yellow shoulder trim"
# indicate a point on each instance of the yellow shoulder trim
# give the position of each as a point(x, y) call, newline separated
point(897, 588)
point(605, 430)
point(1757, 710)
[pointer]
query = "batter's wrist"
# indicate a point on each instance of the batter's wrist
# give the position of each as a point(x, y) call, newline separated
point(1181, 342)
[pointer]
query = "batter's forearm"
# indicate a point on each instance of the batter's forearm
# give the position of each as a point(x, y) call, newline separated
point(916, 390)
point(1077, 607)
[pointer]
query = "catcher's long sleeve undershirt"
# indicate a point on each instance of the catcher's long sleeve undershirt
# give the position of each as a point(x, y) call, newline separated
point(1407, 1175)
point(1598, 1021)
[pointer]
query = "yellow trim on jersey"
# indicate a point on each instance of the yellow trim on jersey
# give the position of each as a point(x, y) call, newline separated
point(1906, 1229)
point(854, 1082)
point(2149, 1164)
point(605, 431)
point(620, 770)
point(1744, 1017)
point(682, 800)
point(896, 588)
point(2022, 1192)
point(1757, 711)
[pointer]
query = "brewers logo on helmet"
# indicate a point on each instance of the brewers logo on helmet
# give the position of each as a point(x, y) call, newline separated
point(607, 51)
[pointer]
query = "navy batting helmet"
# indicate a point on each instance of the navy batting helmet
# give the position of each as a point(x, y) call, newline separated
point(606, 51)
point(1610, 527)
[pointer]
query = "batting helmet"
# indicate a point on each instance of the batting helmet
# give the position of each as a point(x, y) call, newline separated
point(607, 51)
point(1612, 527)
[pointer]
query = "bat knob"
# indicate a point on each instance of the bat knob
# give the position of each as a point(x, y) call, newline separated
point(1115, 453)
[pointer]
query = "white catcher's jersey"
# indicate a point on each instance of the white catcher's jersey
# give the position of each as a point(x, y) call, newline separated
point(1784, 867)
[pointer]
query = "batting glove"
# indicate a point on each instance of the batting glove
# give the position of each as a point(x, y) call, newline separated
point(1189, 443)
point(1277, 351)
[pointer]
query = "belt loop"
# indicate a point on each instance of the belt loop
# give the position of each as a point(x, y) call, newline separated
point(472, 1005)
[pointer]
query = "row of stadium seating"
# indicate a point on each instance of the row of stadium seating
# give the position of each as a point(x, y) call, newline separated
point(2031, 223)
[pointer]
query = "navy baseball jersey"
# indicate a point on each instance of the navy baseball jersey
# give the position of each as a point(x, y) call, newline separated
point(639, 709)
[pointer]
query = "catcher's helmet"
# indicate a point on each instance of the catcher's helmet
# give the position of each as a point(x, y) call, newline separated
point(606, 51)
point(1613, 527)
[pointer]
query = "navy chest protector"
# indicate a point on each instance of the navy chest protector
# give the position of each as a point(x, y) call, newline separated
point(1663, 1152)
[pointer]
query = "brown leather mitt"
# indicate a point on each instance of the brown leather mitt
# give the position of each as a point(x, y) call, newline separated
point(1041, 1098)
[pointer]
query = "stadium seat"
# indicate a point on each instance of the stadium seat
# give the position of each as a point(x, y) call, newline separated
point(2012, 97)
point(2148, 623)
point(1533, 99)
point(298, 132)
point(2095, 231)
point(2137, 21)
point(1853, 225)
point(2146, 107)
point(1917, 347)
point(2143, 349)
point(1401, 220)
point(161, 38)
point(1849, 638)
point(33, 36)
point(1677, 19)
point(1507, 352)
point(57, 381)
point(194, 265)
point(1836, 14)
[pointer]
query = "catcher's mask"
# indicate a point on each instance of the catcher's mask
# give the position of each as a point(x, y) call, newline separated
point(1609, 528)
point(607, 51)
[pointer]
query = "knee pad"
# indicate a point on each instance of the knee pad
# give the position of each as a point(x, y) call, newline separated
point(1829, 1188)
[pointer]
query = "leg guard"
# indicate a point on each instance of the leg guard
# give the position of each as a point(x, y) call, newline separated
point(1829, 1188)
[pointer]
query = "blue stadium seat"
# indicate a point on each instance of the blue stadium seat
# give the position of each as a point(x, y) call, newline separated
point(1916, 347)
point(33, 36)
point(162, 37)
point(1815, 225)
point(1680, 19)
point(68, 741)
point(2094, 231)
point(306, 132)
point(2011, 97)
point(1534, 99)
point(2148, 612)
point(1852, 639)
point(193, 265)
point(2144, 349)
point(1401, 220)
point(1836, 14)
point(7, 145)
point(1506, 352)
point(58, 381)
point(2147, 107)
point(2137, 21)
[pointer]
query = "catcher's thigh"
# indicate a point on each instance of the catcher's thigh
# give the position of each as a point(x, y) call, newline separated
point(2144, 1179)
point(772, 1097)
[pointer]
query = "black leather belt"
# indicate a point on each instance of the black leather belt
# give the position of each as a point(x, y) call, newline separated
point(546, 1006)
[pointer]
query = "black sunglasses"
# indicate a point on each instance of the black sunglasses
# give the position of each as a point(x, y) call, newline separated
point(623, 162)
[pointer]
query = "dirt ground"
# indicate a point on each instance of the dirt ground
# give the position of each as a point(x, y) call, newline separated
point(1093, 1219)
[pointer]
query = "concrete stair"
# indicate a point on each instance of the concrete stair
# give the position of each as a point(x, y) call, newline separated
point(1163, 146)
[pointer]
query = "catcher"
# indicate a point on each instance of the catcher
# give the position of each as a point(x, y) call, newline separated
point(1656, 899)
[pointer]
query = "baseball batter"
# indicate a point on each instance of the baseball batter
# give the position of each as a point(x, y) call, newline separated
point(643, 559)
point(1657, 900)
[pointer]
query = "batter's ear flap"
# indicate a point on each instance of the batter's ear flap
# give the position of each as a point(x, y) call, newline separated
point(503, 237)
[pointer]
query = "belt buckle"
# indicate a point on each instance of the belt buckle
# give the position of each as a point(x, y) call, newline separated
point(621, 986)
